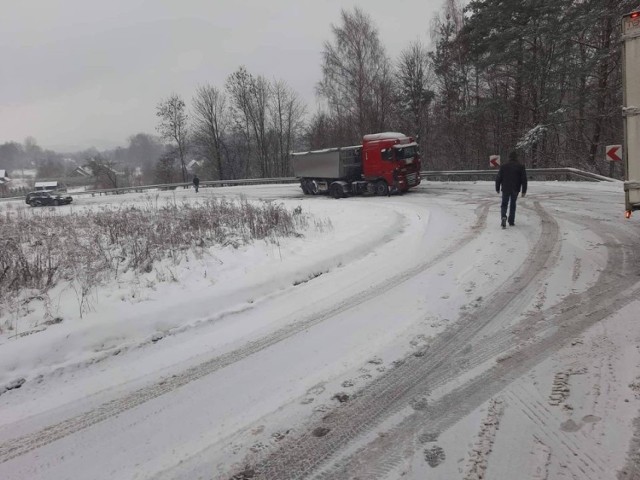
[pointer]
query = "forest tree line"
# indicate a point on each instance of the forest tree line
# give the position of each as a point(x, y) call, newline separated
point(539, 76)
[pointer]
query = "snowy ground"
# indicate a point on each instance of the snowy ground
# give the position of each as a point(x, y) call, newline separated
point(407, 337)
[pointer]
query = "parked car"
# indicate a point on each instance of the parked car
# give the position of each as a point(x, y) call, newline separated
point(38, 199)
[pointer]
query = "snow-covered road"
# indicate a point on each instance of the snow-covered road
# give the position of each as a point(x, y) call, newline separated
point(411, 338)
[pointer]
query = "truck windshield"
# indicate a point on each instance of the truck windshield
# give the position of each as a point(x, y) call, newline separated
point(406, 152)
point(386, 154)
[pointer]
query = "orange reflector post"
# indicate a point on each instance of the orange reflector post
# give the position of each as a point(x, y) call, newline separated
point(627, 214)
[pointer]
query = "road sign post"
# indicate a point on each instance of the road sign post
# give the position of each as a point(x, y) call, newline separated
point(613, 153)
point(494, 161)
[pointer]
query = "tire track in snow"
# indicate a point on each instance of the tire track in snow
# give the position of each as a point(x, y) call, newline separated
point(477, 463)
point(574, 314)
point(300, 456)
point(380, 456)
point(546, 416)
point(21, 445)
point(591, 467)
point(631, 469)
point(542, 459)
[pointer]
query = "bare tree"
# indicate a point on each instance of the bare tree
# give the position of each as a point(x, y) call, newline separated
point(166, 170)
point(211, 118)
point(32, 151)
point(286, 120)
point(356, 81)
point(104, 172)
point(143, 151)
point(250, 97)
point(259, 94)
point(173, 126)
point(12, 156)
point(238, 87)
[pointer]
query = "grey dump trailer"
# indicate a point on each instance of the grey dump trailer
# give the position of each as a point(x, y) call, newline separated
point(319, 169)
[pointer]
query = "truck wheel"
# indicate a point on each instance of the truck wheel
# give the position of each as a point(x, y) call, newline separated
point(312, 187)
point(336, 190)
point(305, 189)
point(381, 188)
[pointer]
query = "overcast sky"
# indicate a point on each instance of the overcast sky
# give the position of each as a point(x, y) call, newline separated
point(81, 73)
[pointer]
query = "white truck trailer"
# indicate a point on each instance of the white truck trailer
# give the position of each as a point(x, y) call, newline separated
point(631, 108)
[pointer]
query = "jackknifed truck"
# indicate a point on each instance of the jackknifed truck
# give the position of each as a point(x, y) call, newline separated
point(631, 109)
point(385, 163)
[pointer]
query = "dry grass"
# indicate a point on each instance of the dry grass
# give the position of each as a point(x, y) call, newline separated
point(38, 250)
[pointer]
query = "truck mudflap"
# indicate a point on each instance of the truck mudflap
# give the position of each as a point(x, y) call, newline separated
point(313, 187)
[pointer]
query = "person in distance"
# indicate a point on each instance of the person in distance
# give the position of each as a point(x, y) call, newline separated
point(511, 179)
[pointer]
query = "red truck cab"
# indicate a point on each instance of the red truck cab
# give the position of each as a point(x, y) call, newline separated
point(392, 157)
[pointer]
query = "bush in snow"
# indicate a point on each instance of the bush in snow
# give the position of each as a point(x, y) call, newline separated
point(84, 248)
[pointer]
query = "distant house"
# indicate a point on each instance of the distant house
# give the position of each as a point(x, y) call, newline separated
point(193, 165)
point(49, 186)
point(83, 171)
point(4, 180)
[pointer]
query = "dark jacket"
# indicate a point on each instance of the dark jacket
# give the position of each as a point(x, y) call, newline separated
point(512, 177)
point(196, 181)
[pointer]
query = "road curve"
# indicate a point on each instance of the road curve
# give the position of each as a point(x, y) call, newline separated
point(485, 349)
point(27, 443)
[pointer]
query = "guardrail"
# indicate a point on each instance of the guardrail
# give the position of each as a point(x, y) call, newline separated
point(174, 186)
point(203, 184)
point(531, 172)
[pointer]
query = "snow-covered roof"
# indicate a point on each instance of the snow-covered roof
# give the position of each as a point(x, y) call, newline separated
point(3, 173)
point(84, 171)
point(403, 145)
point(45, 184)
point(384, 136)
point(325, 150)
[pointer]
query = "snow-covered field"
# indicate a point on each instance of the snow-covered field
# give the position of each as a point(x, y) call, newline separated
point(401, 337)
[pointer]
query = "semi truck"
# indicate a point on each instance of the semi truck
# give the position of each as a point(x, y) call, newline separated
point(385, 163)
point(631, 109)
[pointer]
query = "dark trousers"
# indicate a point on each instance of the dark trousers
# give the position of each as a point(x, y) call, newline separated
point(509, 200)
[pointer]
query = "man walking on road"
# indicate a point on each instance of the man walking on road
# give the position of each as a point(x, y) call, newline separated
point(196, 183)
point(512, 177)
